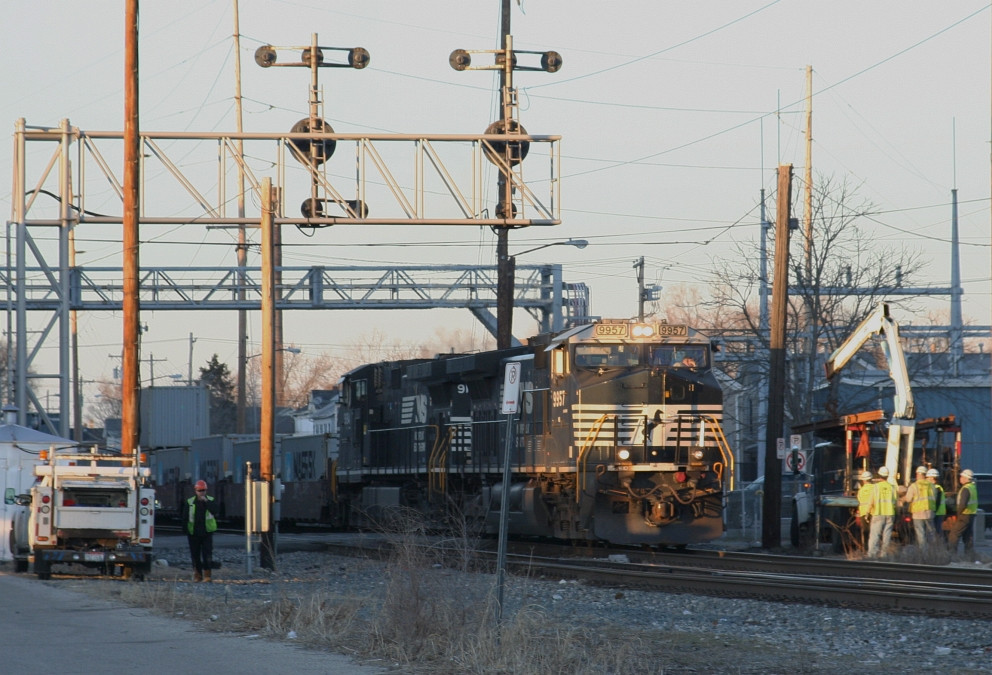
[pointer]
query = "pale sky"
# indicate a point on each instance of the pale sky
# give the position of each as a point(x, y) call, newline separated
point(668, 113)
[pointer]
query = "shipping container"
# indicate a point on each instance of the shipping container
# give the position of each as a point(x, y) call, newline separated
point(172, 417)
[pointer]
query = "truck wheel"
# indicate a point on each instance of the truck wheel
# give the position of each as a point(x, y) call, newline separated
point(43, 570)
point(20, 564)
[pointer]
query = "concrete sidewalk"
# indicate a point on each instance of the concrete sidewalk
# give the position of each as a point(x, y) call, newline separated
point(48, 628)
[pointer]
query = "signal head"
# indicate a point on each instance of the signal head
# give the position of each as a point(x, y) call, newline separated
point(265, 56)
point(358, 58)
point(551, 62)
point(460, 59)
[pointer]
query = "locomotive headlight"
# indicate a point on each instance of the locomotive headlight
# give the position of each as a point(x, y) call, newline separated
point(697, 454)
point(623, 455)
point(642, 330)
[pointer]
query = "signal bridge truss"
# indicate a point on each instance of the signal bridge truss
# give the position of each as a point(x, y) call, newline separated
point(67, 187)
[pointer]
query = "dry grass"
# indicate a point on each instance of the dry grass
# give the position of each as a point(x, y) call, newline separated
point(432, 619)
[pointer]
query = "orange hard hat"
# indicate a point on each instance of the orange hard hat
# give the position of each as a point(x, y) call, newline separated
point(200, 485)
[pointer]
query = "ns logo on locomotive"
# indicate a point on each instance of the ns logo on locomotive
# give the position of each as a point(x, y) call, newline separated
point(617, 439)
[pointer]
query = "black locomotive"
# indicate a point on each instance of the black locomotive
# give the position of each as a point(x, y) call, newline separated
point(617, 437)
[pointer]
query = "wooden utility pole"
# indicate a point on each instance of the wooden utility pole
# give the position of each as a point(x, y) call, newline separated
point(270, 201)
point(771, 526)
point(130, 382)
point(242, 238)
point(808, 178)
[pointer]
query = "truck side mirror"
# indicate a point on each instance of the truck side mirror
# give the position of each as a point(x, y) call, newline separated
point(8, 496)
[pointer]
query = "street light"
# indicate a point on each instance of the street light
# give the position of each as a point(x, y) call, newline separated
point(510, 276)
point(577, 243)
point(291, 350)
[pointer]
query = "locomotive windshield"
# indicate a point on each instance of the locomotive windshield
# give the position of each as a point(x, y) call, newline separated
point(679, 356)
point(607, 355)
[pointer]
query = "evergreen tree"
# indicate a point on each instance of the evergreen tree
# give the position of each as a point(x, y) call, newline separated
point(217, 378)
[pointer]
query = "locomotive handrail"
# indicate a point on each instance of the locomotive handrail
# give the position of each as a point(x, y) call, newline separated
point(437, 459)
point(334, 480)
point(580, 461)
point(724, 447)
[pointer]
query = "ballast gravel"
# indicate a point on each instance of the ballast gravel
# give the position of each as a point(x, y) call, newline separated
point(778, 637)
point(726, 635)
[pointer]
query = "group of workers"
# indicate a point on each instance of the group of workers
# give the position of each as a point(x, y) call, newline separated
point(878, 498)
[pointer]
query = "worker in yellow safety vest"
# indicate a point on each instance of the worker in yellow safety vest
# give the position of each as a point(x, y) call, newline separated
point(883, 514)
point(964, 523)
point(940, 505)
point(864, 505)
point(200, 522)
point(920, 498)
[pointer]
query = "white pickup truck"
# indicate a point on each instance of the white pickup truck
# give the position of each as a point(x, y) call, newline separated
point(89, 509)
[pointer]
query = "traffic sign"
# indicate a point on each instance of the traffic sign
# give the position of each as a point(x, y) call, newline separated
point(511, 388)
point(795, 461)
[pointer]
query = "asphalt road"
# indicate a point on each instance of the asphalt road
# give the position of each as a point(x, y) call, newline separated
point(51, 629)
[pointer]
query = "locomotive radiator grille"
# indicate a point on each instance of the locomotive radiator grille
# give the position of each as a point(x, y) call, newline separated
point(628, 425)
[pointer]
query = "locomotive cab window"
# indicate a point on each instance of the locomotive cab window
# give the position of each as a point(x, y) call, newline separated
point(606, 356)
point(359, 391)
point(680, 356)
point(559, 361)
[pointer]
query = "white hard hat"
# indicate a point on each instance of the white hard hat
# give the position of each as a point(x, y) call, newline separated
point(967, 474)
point(866, 475)
point(933, 473)
point(921, 469)
point(883, 471)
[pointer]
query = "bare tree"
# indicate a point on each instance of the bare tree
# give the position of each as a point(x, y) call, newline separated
point(107, 402)
point(835, 279)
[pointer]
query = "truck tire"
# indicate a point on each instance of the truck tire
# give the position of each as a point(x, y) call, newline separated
point(43, 570)
point(20, 564)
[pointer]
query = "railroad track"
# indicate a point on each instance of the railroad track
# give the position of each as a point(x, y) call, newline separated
point(931, 590)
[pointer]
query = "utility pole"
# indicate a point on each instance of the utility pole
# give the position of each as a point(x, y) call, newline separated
point(505, 269)
point(77, 386)
point(130, 382)
point(242, 252)
point(189, 363)
point(151, 367)
point(771, 526)
point(812, 299)
point(270, 202)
